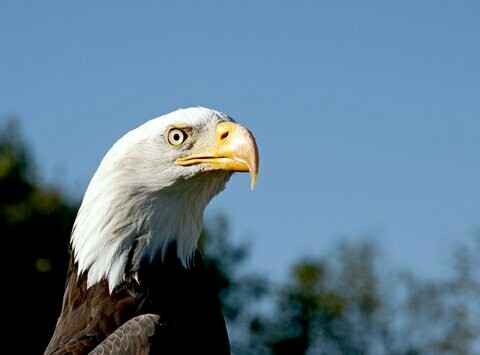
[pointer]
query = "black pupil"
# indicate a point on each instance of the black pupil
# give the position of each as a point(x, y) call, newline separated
point(176, 136)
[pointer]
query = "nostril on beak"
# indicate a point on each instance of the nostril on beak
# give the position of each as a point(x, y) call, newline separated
point(224, 135)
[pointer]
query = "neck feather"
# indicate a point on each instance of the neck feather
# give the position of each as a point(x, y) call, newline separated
point(119, 227)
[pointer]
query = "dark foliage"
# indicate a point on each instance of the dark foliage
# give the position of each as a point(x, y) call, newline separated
point(35, 224)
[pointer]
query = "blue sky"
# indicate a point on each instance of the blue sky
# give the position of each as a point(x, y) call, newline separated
point(367, 114)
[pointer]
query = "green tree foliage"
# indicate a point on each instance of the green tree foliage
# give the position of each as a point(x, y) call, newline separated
point(329, 306)
point(446, 312)
point(35, 224)
point(348, 303)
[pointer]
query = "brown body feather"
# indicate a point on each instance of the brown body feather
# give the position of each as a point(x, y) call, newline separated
point(190, 318)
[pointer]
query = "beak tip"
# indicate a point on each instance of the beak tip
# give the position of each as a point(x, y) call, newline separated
point(253, 180)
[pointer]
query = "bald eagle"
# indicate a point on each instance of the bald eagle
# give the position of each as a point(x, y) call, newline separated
point(136, 281)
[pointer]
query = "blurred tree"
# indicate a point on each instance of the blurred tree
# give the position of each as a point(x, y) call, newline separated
point(331, 305)
point(446, 312)
point(348, 303)
point(35, 224)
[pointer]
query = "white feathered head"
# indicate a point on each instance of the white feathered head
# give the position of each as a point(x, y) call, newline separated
point(151, 189)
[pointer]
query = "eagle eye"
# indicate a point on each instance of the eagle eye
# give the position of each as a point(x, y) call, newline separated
point(176, 136)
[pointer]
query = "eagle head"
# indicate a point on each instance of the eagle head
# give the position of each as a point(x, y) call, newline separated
point(151, 188)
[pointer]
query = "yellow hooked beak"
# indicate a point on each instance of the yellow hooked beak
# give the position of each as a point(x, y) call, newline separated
point(234, 149)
